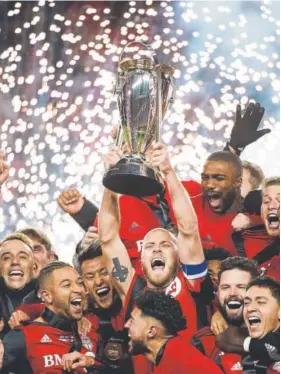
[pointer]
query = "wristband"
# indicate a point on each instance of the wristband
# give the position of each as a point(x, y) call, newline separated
point(238, 150)
point(195, 271)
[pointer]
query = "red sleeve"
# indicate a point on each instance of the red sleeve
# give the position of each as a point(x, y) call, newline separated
point(32, 310)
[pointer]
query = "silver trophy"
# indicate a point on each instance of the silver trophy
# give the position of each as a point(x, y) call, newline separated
point(144, 90)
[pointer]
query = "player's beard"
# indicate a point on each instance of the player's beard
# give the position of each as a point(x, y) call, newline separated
point(166, 279)
point(228, 199)
point(234, 321)
point(138, 347)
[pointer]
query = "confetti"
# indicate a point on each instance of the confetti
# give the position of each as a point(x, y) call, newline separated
point(58, 65)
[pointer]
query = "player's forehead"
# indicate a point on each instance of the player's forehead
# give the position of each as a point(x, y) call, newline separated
point(235, 277)
point(217, 167)
point(15, 246)
point(67, 273)
point(159, 235)
point(271, 191)
point(256, 292)
point(93, 264)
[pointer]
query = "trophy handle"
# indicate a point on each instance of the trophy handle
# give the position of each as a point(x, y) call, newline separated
point(119, 137)
point(147, 46)
point(159, 108)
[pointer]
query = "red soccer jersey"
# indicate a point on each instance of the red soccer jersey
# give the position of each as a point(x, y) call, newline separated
point(138, 219)
point(228, 362)
point(180, 357)
point(257, 244)
point(179, 289)
point(255, 241)
point(214, 228)
point(46, 345)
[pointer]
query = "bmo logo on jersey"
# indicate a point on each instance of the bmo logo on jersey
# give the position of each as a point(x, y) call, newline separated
point(174, 288)
point(52, 360)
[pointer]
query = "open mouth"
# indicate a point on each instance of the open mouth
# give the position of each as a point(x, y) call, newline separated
point(158, 263)
point(15, 274)
point(214, 199)
point(254, 321)
point(77, 304)
point(234, 304)
point(102, 292)
point(273, 221)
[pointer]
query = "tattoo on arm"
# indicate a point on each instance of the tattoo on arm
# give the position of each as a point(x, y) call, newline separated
point(119, 272)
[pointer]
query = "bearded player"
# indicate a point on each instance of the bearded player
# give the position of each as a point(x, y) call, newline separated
point(175, 265)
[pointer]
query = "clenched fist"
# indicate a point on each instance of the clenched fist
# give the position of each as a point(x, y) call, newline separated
point(90, 236)
point(71, 201)
point(17, 318)
point(75, 360)
point(158, 156)
point(113, 156)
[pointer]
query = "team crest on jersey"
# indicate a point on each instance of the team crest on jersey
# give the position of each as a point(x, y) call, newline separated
point(86, 342)
point(174, 288)
point(66, 338)
point(113, 351)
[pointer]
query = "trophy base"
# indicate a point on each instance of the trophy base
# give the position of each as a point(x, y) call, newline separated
point(131, 176)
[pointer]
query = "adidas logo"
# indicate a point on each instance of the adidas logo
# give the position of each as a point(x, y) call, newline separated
point(236, 367)
point(272, 351)
point(45, 339)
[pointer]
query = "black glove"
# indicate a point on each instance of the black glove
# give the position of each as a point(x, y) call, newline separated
point(245, 129)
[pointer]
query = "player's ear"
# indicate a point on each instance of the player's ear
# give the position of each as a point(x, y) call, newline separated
point(238, 182)
point(46, 297)
point(152, 332)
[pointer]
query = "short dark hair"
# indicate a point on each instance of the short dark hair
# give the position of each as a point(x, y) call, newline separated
point(229, 157)
point(216, 253)
point(256, 174)
point(267, 282)
point(163, 308)
point(240, 263)
point(38, 234)
point(272, 181)
point(49, 269)
point(92, 251)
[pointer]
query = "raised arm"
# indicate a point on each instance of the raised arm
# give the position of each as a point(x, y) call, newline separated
point(80, 209)
point(245, 130)
point(117, 259)
point(189, 243)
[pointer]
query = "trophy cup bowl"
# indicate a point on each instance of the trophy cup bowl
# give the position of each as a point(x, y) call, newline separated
point(144, 90)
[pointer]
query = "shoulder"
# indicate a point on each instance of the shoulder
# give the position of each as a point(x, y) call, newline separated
point(205, 341)
point(181, 347)
point(192, 187)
